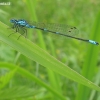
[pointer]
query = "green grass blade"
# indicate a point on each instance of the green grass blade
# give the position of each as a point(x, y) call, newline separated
point(18, 92)
point(90, 61)
point(30, 76)
point(31, 9)
point(4, 80)
point(35, 53)
point(53, 77)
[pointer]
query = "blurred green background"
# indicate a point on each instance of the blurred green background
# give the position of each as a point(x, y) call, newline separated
point(82, 57)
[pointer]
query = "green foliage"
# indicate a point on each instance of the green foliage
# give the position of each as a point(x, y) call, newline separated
point(18, 93)
point(28, 75)
point(6, 78)
point(33, 57)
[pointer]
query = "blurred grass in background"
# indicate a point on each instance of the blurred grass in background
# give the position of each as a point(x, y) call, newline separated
point(82, 57)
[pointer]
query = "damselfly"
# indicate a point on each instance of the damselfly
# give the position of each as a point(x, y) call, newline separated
point(58, 29)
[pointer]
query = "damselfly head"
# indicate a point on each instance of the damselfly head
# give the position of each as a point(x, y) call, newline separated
point(13, 20)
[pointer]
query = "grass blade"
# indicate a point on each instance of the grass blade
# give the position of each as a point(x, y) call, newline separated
point(37, 54)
